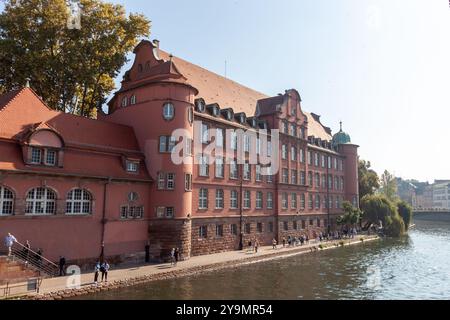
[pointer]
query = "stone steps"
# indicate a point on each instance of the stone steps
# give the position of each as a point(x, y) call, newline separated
point(14, 271)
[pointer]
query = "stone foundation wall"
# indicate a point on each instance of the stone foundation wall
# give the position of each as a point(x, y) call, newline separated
point(166, 234)
point(214, 243)
point(304, 226)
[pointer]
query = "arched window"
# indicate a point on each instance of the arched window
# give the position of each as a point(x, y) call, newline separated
point(79, 201)
point(41, 201)
point(6, 201)
point(133, 99)
point(168, 111)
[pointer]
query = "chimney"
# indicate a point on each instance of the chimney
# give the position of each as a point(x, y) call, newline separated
point(156, 43)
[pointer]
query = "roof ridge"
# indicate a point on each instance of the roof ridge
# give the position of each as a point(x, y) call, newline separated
point(16, 94)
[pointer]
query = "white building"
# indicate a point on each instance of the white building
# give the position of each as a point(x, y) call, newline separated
point(441, 195)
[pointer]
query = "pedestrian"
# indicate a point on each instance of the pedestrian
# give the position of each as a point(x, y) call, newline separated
point(96, 270)
point(172, 256)
point(256, 246)
point(62, 264)
point(9, 241)
point(104, 269)
point(274, 243)
point(177, 255)
point(39, 257)
point(284, 242)
point(147, 252)
point(26, 251)
point(250, 246)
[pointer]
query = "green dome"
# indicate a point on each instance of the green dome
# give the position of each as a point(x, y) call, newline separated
point(341, 137)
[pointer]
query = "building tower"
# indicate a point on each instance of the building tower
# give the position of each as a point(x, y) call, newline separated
point(156, 99)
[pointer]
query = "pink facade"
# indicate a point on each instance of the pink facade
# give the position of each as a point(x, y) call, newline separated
point(110, 184)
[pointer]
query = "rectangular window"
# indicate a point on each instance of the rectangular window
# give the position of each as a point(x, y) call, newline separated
point(285, 226)
point(293, 153)
point(219, 230)
point(219, 199)
point(219, 137)
point(258, 172)
point(340, 165)
point(259, 200)
point(302, 178)
point(271, 226)
point(246, 199)
point(51, 158)
point(166, 143)
point(293, 130)
point(293, 176)
point(203, 232)
point(188, 147)
point(205, 133)
point(317, 202)
point(335, 165)
point(284, 152)
point(234, 140)
point(160, 212)
point(234, 229)
point(316, 159)
point(170, 212)
point(123, 212)
point(294, 225)
point(329, 162)
point(303, 224)
point(269, 200)
point(219, 168)
point(247, 173)
point(203, 199)
point(233, 169)
point(132, 166)
point(285, 176)
point(269, 148)
point(170, 181)
point(234, 199)
point(294, 201)
point(324, 181)
point(161, 181)
point(311, 222)
point(323, 161)
point(309, 158)
point(317, 179)
point(204, 166)
point(284, 200)
point(310, 201)
point(188, 182)
point(302, 201)
point(310, 179)
point(318, 222)
point(269, 175)
point(246, 143)
point(302, 156)
point(36, 156)
point(259, 227)
point(258, 146)
point(247, 228)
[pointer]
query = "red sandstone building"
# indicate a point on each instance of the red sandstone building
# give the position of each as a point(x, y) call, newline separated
point(79, 187)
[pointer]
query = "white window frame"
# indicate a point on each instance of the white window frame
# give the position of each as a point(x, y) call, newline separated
point(233, 199)
point(6, 201)
point(203, 199)
point(168, 111)
point(44, 202)
point(76, 204)
point(247, 199)
point(219, 199)
point(259, 200)
point(269, 200)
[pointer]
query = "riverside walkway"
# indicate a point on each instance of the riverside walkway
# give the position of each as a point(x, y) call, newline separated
point(59, 288)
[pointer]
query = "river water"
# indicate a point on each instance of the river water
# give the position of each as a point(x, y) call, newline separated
point(414, 267)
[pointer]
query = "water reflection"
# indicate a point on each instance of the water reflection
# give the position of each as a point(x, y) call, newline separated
point(413, 267)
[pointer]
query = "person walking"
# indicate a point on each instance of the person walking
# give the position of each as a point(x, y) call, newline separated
point(26, 251)
point(96, 270)
point(9, 241)
point(104, 270)
point(274, 243)
point(62, 264)
point(177, 255)
point(256, 246)
point(172, 257)
point(284, 242)
point(39, 257)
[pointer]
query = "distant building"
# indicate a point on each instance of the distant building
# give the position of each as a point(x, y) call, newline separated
point(441, 195)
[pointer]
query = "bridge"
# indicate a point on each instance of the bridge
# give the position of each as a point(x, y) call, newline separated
point(431, 214)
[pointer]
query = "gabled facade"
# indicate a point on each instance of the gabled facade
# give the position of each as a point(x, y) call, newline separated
point(198, 206)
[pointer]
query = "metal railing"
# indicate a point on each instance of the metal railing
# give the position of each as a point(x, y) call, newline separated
point(10, 290)
point(34, 260)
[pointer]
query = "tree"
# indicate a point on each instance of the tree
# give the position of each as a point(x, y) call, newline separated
point(405, 212)
point(368, 179)
point(351, 216)
point(72, 67)
point(378, 208)
point(389, 186)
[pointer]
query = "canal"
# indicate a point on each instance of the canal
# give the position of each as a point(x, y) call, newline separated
point(414, 267)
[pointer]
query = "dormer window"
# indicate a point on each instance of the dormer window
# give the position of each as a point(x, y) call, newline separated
point(50, 159)
point(36, 156)
point(200, 106)
point(132, 166)
point(242, 119)
point(229, 115)
point(124, 101)
point(168, 111)
point(215, 112)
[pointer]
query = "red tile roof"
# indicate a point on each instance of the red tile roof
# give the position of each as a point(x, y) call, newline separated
point(214, 88)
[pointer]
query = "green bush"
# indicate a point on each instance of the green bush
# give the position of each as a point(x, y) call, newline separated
point(395, 226)
point(405, 211)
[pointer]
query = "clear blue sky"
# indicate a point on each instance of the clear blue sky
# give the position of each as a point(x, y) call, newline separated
point(380, 66)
